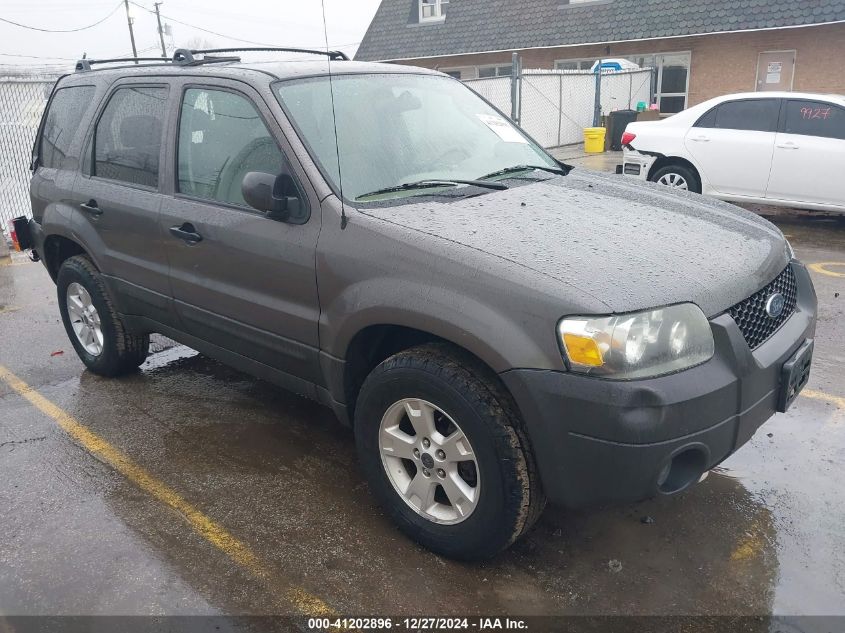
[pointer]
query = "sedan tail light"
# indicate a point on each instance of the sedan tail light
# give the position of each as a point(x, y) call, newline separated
point(627, 137)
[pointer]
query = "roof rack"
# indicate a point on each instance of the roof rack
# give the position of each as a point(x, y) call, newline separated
point(185, 57)
point(85, 64)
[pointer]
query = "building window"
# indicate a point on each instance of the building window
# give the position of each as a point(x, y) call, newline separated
point(672, 85)
point(432, 10)
point(485, 72)
point(575, 64)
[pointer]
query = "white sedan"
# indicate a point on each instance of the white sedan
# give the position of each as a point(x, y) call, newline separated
point(777, 148)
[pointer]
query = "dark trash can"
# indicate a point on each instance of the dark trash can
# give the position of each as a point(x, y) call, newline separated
point(617, 122)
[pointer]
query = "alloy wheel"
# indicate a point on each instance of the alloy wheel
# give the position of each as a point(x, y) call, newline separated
point(429, 461)
point(84, 319)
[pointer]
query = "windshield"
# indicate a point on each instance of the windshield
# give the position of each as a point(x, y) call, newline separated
point(394, 129)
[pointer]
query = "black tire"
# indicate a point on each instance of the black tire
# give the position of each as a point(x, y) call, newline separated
point(122, 352)
point(688, 174)
point(511, 499)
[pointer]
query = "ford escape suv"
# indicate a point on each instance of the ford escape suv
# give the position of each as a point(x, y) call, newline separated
point(497, 328)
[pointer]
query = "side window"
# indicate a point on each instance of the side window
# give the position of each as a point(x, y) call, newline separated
point(221, 139)
point(61, 122)
point(815, 118)
point(757, 115)
point(127, 140)
point(708, 120)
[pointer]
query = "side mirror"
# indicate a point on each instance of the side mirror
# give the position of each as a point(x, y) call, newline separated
point(277, 196)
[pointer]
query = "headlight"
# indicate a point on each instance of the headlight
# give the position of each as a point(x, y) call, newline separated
point(637, 345)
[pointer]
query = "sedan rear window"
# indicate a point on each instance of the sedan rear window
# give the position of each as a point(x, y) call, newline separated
point(755, 115)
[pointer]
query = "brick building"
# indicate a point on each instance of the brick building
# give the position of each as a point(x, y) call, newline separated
point(701, 49)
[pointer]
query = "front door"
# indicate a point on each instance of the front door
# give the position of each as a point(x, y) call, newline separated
point(118, 199)
point(245, 282)
point(809, 156)
point(775, 71)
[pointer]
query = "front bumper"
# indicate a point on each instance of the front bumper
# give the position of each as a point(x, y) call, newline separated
point(598, 441)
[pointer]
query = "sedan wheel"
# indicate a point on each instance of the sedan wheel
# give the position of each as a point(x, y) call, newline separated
point(672, 179)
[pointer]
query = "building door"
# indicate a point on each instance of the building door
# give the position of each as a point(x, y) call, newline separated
point(775, 70)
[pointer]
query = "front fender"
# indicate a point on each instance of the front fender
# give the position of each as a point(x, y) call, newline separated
point(479, 328)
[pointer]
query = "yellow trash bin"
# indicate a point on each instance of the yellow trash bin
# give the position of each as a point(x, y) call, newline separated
point(594, 140)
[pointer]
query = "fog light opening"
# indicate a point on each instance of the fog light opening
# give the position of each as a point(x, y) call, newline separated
point(684, 470)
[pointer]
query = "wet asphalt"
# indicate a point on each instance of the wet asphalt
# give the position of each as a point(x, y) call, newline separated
point(764, 533)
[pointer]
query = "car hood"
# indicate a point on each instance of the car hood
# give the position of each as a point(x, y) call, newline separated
point(628, 244)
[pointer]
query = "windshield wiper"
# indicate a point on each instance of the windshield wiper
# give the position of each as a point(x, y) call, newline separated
point(433, 183)
point(511, 170)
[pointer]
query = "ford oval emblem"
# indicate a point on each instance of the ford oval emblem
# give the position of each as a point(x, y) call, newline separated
point(775, 304)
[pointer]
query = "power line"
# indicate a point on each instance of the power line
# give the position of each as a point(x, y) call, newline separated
point(34, 56)
point(228, 37)
point(81, 28)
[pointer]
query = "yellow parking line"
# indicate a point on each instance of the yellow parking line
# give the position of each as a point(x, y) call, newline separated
point(8, 309)
point(206, 527)
point(839, 401)
point(822, 267)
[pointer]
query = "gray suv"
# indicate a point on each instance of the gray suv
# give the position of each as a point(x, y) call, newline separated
point(498, 328)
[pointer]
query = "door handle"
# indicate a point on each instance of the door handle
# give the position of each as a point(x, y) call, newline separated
point(787, 146)
point(701, 139)
point(187, 233)
point(91, 207)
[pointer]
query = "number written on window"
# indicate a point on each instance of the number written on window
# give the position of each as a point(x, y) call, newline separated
point(815, 118)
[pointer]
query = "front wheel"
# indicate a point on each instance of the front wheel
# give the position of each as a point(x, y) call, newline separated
point(444, 453)
point(95, 329)
point(678, 177)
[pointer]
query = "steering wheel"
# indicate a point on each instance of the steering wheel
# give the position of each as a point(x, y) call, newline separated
point(260, 154)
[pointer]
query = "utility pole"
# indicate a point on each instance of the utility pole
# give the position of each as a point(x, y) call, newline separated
point(131, 32)
point(160, 30)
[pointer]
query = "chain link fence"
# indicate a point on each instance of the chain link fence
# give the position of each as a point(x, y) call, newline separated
point(556, 105)
point(23, 96)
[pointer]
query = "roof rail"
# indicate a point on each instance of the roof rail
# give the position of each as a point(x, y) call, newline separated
point(85, 64)
point(186, 57)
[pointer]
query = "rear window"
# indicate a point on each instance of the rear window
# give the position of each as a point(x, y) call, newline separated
point(61, 122)
point(815, 118)
point(756, 115)
point(127, 141)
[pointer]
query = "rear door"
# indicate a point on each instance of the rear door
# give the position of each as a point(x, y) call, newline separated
point(249, 284)
point(118, 197)
point(733, 144)
point(809, 155)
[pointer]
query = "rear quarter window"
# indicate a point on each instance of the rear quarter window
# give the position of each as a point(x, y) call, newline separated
point(814, 118)
point(61, 122)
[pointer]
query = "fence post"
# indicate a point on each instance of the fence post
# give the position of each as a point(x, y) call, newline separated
point(597, 104)
point(516, 92)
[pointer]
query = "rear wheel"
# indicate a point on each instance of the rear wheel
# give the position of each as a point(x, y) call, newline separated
point(95, 329)
point(443, 451)
point(677, 176)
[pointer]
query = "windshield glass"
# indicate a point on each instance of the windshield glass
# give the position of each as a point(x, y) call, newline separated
point(394, 129)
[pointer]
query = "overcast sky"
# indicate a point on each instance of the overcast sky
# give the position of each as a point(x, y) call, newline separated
point(296, 23)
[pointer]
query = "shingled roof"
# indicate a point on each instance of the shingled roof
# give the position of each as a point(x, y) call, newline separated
point(473, 26)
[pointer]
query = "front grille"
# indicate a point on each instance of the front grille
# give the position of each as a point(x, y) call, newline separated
point(751, 317)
